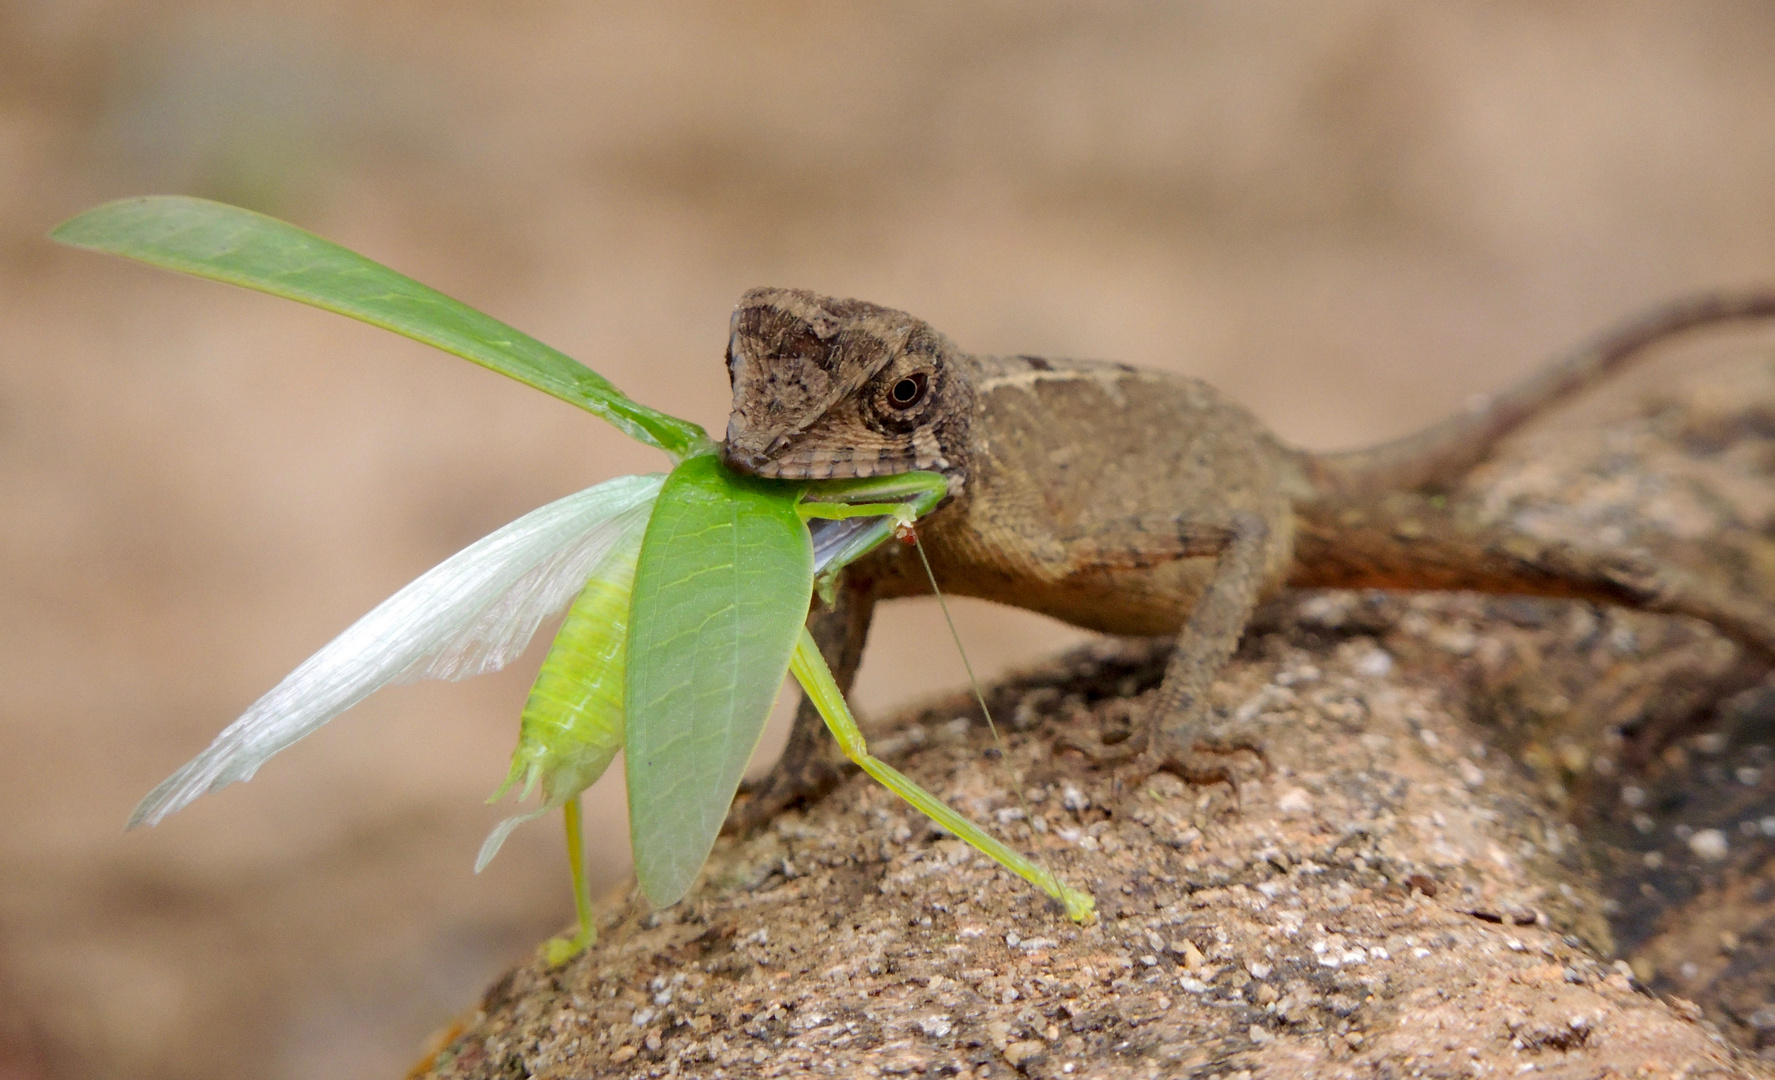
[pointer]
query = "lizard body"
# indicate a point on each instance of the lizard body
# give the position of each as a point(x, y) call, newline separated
point(1144, 503)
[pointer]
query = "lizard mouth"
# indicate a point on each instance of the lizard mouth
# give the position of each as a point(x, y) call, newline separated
point(832, 539)
point(741, 453)
point(802, 465)
point(751, 462)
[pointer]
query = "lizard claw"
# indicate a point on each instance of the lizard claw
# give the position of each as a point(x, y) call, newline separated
point(1099, 751)
point(1198, 765)
point(1119, 735)
point(1197, 761)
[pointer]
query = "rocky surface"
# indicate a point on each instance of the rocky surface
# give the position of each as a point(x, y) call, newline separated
point(1388, 891)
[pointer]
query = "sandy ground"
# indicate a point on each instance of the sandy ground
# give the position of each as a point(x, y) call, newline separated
point(1350, 218)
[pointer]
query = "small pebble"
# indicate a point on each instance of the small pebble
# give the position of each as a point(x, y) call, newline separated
point(1709, 844)
point(1192, 956)
point(936, 1026)
point(1375, 664)
point(1305, 673)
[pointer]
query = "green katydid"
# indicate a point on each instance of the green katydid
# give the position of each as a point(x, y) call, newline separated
point(692, 588)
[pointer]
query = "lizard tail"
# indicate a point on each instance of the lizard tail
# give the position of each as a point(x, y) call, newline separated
point(1409, 540)
point(1440, 454)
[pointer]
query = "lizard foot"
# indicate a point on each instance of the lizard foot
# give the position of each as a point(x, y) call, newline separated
point(1118, 738)
point(1211, 758)
point(1101, 751)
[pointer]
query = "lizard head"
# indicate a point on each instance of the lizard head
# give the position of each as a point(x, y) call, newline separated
point(832, 389)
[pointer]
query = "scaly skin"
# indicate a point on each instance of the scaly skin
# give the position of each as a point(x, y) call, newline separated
point(1140, 502)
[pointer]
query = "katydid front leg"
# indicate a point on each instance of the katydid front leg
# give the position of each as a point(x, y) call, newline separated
point(812, 765)
point(856, 516)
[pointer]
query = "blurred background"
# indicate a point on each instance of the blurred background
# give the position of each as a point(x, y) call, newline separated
point(1349, 216)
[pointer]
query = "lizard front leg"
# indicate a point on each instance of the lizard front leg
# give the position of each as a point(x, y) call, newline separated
point(1171, 737)
point(812, 765)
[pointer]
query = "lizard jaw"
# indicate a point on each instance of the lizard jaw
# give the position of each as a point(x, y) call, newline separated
point(814, 464)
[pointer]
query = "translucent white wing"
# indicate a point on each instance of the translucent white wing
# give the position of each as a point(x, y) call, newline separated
point(833, 538)
point(470, 614)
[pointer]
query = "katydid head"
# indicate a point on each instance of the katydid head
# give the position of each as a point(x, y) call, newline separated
point(831, 389)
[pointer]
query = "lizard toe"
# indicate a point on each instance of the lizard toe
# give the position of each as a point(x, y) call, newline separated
point(1218, 756)
point(1099, 751)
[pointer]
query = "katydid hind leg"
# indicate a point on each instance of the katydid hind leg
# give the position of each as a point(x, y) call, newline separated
point(812, 765)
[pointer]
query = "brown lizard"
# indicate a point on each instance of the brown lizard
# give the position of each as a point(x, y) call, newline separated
point(1144, 503)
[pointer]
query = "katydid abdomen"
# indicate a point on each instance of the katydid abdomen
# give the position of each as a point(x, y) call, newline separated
point(573, 721)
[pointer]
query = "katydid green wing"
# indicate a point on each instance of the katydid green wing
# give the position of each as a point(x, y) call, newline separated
point(240, 247)
point(721, 593)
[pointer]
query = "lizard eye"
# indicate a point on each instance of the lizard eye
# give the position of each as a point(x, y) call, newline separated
point(908, 391)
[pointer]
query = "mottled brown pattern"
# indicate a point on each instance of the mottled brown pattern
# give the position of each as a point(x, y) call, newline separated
point(811, 383)
point(1136, 502)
